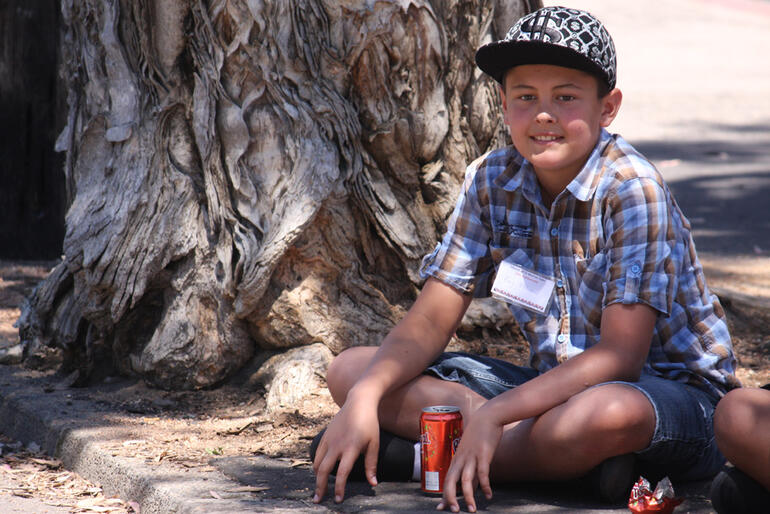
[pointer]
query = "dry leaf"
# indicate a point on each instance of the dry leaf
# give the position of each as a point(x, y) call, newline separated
point(47, 462)
point(113, 502)
point(98, 508)
point(248, 489)
point(215, 495)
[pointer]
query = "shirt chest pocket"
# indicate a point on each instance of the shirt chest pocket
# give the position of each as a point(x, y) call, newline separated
point(506, 239)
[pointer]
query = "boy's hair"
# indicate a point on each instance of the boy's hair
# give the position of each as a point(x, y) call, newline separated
point(554, 35)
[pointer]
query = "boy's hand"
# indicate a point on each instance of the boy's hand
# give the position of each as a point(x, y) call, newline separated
point(470, 464)
point(354, 430)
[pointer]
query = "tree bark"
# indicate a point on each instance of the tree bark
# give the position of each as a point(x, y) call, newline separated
point(256, 175)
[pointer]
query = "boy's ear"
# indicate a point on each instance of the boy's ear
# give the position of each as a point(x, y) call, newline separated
point(501, 89)
point(610, 106)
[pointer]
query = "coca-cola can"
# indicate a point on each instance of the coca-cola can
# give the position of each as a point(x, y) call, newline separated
point(441, 427)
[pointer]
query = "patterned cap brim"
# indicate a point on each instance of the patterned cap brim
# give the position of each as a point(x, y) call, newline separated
point(496, 58)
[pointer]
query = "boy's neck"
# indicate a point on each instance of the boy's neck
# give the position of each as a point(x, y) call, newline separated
point(547, 197)
point(552, 185)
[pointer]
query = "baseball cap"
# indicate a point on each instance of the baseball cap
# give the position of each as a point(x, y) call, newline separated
point(553, 35)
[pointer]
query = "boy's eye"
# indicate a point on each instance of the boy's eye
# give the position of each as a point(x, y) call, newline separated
point(526, 98)
point(566, 98)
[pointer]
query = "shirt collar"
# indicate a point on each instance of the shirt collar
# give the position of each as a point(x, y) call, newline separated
point(511, 177)
point(582, 186)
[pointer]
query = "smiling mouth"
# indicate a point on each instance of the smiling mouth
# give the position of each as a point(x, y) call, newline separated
point(546, 139)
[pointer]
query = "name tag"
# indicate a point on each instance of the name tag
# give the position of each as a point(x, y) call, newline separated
point(517, 285)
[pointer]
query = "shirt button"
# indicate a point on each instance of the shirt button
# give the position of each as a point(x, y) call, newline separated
point(561, 338)
point(635, 268)
point(554, 231)
point(559, 283)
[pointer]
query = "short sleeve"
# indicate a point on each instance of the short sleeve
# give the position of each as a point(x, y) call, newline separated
point(640, 246)
point(462, 258)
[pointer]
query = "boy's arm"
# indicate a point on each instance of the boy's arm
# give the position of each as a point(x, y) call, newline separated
point(626, 334)
point(404, 354)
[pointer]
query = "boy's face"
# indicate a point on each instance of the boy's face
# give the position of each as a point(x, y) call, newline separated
point(555, 117)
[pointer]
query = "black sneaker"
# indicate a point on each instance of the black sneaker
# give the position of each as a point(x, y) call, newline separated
point(395, 459)
point(612, 480)
point(734, 492)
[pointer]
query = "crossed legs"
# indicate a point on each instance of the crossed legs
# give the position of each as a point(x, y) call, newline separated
point(563, 443)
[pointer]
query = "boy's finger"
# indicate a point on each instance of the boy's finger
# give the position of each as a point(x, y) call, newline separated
point(468, 475)
point(449, 498)
point(320, 453)
point(483, 481)
point(343, 470)
point(370, 462)
point(321, 479)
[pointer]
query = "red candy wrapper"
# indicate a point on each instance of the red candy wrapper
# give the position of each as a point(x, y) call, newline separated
point(643, 500)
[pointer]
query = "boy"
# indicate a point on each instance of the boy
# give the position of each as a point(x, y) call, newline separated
point(629, 352)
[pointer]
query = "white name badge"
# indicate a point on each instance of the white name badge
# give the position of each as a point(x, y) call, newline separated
point(517, 285)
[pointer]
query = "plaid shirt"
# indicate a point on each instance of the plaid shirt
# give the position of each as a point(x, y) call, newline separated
point(615, 234)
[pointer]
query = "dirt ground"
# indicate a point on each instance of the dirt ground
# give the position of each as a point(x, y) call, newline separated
point(186, 429)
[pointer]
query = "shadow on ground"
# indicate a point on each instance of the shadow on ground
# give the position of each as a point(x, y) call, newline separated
point(722, 184)
point(279, 480)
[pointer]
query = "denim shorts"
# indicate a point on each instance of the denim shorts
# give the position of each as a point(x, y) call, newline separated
point(683, 445)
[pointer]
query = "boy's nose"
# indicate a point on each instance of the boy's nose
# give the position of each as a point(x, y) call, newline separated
point(545, 116)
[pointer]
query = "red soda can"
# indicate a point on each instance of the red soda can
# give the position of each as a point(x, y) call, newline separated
point(440, 429)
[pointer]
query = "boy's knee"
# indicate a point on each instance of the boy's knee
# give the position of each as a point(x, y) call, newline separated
point(345, 369)
point(619, 413)
point(733, 416)
point(630, 414)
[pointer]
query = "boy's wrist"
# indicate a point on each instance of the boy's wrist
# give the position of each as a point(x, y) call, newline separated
point(492, 411)
point(366, 392)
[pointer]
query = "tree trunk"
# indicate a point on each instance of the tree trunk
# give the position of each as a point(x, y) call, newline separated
point(256, 175)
